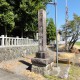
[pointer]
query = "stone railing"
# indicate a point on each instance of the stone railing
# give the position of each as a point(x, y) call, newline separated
point(16, 41)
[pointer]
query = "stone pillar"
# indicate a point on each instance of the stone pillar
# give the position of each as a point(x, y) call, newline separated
point(41, 34)
point(42, 63)
point(42, 29)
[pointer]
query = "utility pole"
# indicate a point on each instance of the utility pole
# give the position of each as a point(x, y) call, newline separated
point(55, 5)
point(66, 22)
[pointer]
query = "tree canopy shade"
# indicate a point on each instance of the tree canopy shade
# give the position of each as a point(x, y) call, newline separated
point(20, 16)
point(73, 31)
point(51, 30)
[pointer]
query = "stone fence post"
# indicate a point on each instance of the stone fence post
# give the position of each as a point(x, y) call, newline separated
point(17, 40)
point(36, 36)
point(27, 40)
point(2, 43)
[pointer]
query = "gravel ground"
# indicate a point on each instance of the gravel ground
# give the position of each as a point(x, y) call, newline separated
point(21, 66)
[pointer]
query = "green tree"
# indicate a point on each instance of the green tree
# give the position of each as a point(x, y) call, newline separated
point(51, 30)
point(19, 17)
point(73, 31)
point(27, 20)
point(6, 17)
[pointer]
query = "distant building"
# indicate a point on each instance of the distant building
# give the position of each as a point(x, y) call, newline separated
point(69, 38)
point(59, 37)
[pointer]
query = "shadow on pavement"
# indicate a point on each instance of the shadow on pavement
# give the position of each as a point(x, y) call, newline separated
point(26, 63)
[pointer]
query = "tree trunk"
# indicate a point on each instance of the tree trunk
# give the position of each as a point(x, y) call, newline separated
point(72, 42)
point(5, 31)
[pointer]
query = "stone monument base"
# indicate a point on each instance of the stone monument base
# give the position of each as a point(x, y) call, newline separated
point(49, 69)
point(43, 69)
point(42, 66)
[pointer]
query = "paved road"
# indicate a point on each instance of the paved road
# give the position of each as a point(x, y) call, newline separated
point(5, 75)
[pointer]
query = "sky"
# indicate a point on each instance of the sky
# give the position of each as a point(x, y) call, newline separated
point(73, 7)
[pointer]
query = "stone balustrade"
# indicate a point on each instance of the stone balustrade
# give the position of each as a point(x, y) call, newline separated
point(16, 41)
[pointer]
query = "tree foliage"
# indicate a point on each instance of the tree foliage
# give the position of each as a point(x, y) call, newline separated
point(51, 30)
point(20, 16)
point(6, 17)
point(73, 31)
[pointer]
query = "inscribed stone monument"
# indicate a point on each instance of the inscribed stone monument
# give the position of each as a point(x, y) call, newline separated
point(42, 34)
point(42, 30)
point(42, 62)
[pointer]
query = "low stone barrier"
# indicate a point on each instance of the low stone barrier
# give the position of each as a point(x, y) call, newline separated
point(7, 53)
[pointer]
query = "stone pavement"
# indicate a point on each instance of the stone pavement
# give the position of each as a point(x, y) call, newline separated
point(6, 75)
point(64, 73)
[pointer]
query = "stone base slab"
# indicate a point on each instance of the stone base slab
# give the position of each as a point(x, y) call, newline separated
point(43, 70)
point(49, 70)
point(41, 62)
point(56, 71)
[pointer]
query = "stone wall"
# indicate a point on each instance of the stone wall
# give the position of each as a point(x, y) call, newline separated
point(7, 53)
